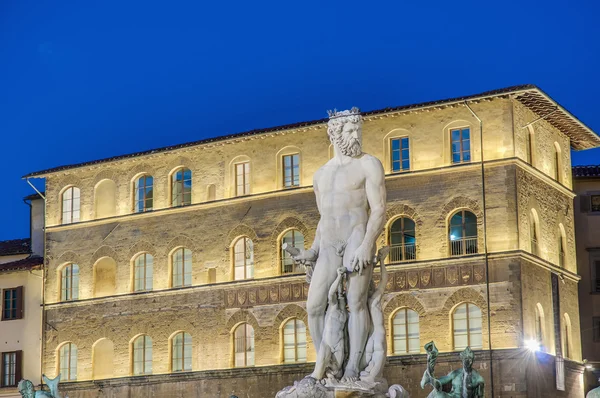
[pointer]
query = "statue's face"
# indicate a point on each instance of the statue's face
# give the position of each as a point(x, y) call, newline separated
point(468, 363)
point(349, 141)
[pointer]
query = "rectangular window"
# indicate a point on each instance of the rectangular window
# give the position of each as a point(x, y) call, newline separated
point(12, 303)
point(595, 202)
point(242, 179)
point(291, 170)
point(596, 328)
point(461, 145)
point(400, 154)
point(11, 368)
point(596, 279)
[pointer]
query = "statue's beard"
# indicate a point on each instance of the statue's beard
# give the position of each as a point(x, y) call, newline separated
point(347, 145)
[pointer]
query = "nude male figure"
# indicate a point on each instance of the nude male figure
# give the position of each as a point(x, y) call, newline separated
point(351, 197)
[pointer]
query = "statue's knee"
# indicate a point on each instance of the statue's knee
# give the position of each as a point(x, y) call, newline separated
point(315, 309)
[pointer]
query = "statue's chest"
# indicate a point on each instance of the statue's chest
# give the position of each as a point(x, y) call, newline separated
point(341, 178)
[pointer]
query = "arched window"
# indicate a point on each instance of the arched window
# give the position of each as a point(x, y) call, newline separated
point(181, 187)
point(557, 162)
point(405, 331)
point(105, 271)
point(143, 191)
point(69, 282)
point(567, 353)
point(143, 269)
point(530, 138)
point(105, 199)
point(102, 359)
point(402, 240)
point(181, 352)
point(67, 361)
point(534, 232)
point(242, 178)
point(463, 233)
point(244, 345)
point(466, 321)
point(562, 245)
point(291, 170)
point(142, 355)
point(294, 238)
point(243, 259)
point(70, 205)
point(182, 267)
point(294, 341)
point(539, 325)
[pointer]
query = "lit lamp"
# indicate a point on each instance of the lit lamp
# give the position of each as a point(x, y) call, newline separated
point(532, 345)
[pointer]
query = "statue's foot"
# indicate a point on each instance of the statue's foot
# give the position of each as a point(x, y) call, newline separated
point(350, 375)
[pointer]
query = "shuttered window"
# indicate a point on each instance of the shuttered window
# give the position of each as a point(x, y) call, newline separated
point(12, 303)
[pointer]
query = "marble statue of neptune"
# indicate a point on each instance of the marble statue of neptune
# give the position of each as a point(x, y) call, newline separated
point(350, 194)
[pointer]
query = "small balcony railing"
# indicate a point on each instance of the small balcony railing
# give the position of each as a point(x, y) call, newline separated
point(402, 252)
point(288, 266)
point(463, 246)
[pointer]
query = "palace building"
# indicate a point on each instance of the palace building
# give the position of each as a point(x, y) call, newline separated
point(165, 276)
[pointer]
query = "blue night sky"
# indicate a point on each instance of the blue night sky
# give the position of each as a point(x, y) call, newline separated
point(82, 81)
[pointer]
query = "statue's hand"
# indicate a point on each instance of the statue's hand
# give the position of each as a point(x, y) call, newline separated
point(305, 256)
point(362, 258)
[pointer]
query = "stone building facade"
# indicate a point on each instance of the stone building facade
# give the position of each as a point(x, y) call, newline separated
point(586, 184)
point(116, 242)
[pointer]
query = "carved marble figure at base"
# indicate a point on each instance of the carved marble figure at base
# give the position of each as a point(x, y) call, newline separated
point(27, 390)
point(466, 382)
point(332, 350)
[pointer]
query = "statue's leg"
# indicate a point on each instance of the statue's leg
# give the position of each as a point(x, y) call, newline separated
point(323, 359)
point(323, 276)
point(358, 318)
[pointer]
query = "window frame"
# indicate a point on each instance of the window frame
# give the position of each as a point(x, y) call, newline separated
point(175, 267)
point(468, 328)
point(73, 288)
point(594, 261)
point(245, 176)
point(406, 331)
point(246, 264)
point(18, 304)
point(182, 357)
point(72, 357)
point(296, 268)
point(144, 348)
point(245, 338)
point(145, 268)
point(180, 183)
point(17, 365)
point(70, 212)
point(400, 139)
point(461, 141)
point(296, 344)
point(404, 257)
point(284, 168)
point(463, 238)
point(136, 190)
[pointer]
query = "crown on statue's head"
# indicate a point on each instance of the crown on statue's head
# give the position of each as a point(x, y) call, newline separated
point(335, 114)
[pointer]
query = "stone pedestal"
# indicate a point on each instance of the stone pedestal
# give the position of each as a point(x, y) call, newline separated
point(310, 388)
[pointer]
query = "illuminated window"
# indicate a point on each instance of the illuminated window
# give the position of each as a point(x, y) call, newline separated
point(461, 145)
point(70, 205)
point(12, 303)
point(463, 233)
point(244, 345)
point(243, 259)
point(181, 187)
point(181, 352)
point(242, 179)
point(405, 330)
point(293, 238)
point(182, 267)
point(142, 355)
point(143, 194)
point(400, 154)
point(69, 286)
point(294, 341)
point(402, 240)
point(11, 369)
point(291, 170)
point(143, 269)
point(68, 362)
point(467, 327)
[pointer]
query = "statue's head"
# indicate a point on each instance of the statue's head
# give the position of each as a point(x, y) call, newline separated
point(467, 357)
point(26, 389)
point(345, 131)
